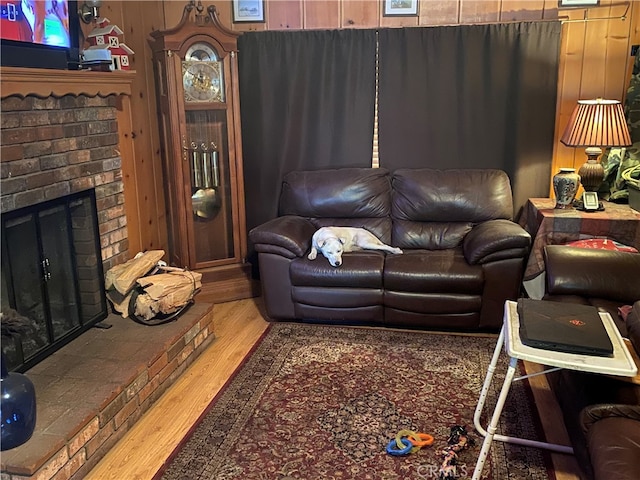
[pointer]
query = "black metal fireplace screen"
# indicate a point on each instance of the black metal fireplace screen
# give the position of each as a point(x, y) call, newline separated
point(52, 274)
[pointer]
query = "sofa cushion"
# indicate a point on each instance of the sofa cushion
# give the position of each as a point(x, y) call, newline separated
point(470, 195)
point(435, 209)
point(431, 235)
point(337, 193)
point(433, 271)
point(443, 304)
point(337, 298)
point(359, 269)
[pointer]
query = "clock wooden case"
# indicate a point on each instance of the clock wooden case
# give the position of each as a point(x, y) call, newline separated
point(196, 70)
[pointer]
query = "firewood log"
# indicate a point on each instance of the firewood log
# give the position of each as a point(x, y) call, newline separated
point(166, 292)
point(123, 277)
point(120, 302)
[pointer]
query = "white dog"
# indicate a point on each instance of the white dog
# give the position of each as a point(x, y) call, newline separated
point(332, 242)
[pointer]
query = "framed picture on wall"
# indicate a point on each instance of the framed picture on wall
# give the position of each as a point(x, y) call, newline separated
point(248, 11)
point(400, 8)
point(577, 3)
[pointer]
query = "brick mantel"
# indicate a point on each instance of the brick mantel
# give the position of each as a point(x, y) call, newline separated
point(48, 82)
point(65, 131)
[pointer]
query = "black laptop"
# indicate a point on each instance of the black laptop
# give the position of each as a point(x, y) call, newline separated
point(563, 327)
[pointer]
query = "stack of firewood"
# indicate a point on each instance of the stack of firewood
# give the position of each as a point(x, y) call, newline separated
point(147, 288)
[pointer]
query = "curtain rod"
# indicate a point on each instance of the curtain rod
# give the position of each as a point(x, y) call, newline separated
point(586, 18)
point(562, 19)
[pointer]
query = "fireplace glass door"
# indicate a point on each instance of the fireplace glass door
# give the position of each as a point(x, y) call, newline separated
point(51, 274)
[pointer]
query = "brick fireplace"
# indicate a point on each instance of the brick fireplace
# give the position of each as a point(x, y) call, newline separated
point(60, 135)
point(52, 147)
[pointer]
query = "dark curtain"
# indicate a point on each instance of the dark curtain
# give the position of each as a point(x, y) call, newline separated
point(471, 96)
point(307, 103)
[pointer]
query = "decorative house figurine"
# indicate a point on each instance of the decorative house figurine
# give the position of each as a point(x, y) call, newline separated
point(105, 38)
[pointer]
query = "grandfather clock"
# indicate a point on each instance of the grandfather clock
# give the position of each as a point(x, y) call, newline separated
point(196, 68)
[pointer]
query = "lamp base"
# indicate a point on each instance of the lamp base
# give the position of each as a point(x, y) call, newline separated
point(591, 172)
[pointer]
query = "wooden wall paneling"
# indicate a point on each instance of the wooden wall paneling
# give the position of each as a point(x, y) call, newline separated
point(361, 13)
point(617, 54)
point(144, 202)
point(521, 10)
point(434, 12)
point(479, 11)
point(224, 8)
point(569, 81)
point(551, 10)
point(593, 68)
point(115, 12)
point(173, 12)
point(634, 39)
point(142, 18)
point(593, 74)
point(321, 14)
point(129, 174)
point(284, 14)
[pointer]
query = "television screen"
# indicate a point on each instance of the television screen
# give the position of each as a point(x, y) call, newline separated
point(44, 22)
point(39, 33)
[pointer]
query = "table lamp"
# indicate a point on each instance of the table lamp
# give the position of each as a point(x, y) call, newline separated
point(595, 124)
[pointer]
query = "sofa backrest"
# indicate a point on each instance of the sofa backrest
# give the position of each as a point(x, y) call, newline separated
point(348, 197)
point(435, 209)
point(411, 208)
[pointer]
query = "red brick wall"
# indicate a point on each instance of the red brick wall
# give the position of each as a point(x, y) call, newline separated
point(52, 147)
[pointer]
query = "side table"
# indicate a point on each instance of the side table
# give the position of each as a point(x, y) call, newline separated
point(621, 364)
point(548, 225)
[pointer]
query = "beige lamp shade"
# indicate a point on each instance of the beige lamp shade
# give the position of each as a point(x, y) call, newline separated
point(594, 124)
point(597, 123)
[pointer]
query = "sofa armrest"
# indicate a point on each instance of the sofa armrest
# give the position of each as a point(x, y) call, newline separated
point(588, 272)
point(495, 240)
point(289, 236)
point(592, 413)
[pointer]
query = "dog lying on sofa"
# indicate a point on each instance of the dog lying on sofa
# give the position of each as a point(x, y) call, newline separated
point(332, 242)
point(463, 255)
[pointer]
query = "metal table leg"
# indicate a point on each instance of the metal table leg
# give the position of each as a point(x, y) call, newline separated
point(489, 434)
point(495, 418)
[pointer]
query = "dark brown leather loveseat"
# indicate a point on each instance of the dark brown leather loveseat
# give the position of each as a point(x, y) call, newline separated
point(463, 254)
point(602, 414)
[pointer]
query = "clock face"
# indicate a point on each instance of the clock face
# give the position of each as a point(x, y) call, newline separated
point(202, 81)
point(202, 52)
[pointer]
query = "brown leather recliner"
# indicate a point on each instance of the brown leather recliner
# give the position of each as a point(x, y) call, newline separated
point(463, 254)
point(602, 414)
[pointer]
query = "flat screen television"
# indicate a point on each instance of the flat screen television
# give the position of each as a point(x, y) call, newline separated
point(39, 33)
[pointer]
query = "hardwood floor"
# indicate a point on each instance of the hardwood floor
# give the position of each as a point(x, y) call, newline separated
point(238, 325)
point(144, 448)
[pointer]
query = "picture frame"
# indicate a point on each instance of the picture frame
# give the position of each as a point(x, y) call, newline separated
point(245, 11)
point(590, 201)
point(400, 8)
point(577, 3)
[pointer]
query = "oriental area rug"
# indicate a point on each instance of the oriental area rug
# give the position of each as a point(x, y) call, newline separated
point(322, 402)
